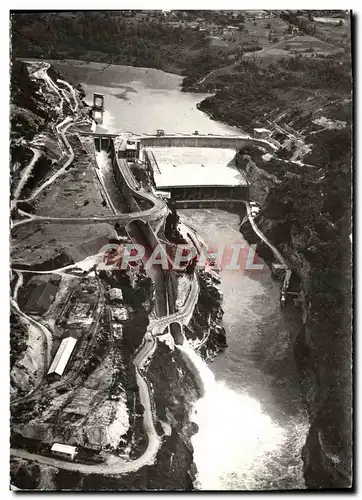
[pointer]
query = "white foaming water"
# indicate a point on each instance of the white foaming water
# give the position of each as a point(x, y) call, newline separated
point(236, 441)
point(108, 124)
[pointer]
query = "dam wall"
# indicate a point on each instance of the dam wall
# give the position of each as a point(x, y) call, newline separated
point(217, 196)
point(228, 205)
point(204, 141)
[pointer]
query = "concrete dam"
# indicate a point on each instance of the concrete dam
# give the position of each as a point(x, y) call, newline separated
point(195, 170)
point(204, 141)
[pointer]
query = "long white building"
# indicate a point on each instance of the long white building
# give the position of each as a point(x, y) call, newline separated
point(64, 450)
point(62, 356)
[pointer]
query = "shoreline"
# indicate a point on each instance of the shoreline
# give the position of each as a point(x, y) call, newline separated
point(211, 116)
point(96, 65)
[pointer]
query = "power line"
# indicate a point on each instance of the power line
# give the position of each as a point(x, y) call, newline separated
point(58, 57)
point(35, 42)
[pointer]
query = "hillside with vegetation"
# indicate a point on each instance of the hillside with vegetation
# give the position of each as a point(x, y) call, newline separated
point(252, 90)
point(255, 63)
point(308, 216)
point(109, 37)
point(177, 41)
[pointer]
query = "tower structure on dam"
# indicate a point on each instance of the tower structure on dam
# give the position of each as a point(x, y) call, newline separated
point(98, 108)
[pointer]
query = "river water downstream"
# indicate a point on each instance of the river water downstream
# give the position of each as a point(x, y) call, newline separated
point(252, 423)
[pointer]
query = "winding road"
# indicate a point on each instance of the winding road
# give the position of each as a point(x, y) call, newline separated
point(113, 464)
point(278, 255)
point(26, 173)
point(158, 210)
point(257, 231)
point(157, 326)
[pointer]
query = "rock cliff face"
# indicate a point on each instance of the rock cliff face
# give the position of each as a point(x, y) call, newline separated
point(260, 181)
point(309, 222)
point(204, 328)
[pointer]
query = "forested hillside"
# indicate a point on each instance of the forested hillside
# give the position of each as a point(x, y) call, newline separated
point(103, 36)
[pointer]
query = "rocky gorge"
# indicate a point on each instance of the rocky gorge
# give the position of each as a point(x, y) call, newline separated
point(307, 216)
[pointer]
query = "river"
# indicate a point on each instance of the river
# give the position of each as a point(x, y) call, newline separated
point(252, 423)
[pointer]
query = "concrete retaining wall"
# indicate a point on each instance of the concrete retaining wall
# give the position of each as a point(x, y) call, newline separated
point(126, 192)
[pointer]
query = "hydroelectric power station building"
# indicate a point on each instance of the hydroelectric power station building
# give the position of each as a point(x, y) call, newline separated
point(192, 174)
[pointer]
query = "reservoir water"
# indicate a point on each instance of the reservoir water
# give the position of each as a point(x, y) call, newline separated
point(252, 423)
point(142, 100)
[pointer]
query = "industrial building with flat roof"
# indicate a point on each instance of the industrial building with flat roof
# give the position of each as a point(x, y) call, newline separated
point(116, 294)
point(62, 357)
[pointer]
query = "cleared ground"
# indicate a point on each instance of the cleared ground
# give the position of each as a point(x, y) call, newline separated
point(292, 45)
point(76, 193)
point(37, 243)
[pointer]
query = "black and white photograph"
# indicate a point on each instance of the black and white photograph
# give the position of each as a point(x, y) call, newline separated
point(181, 248)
